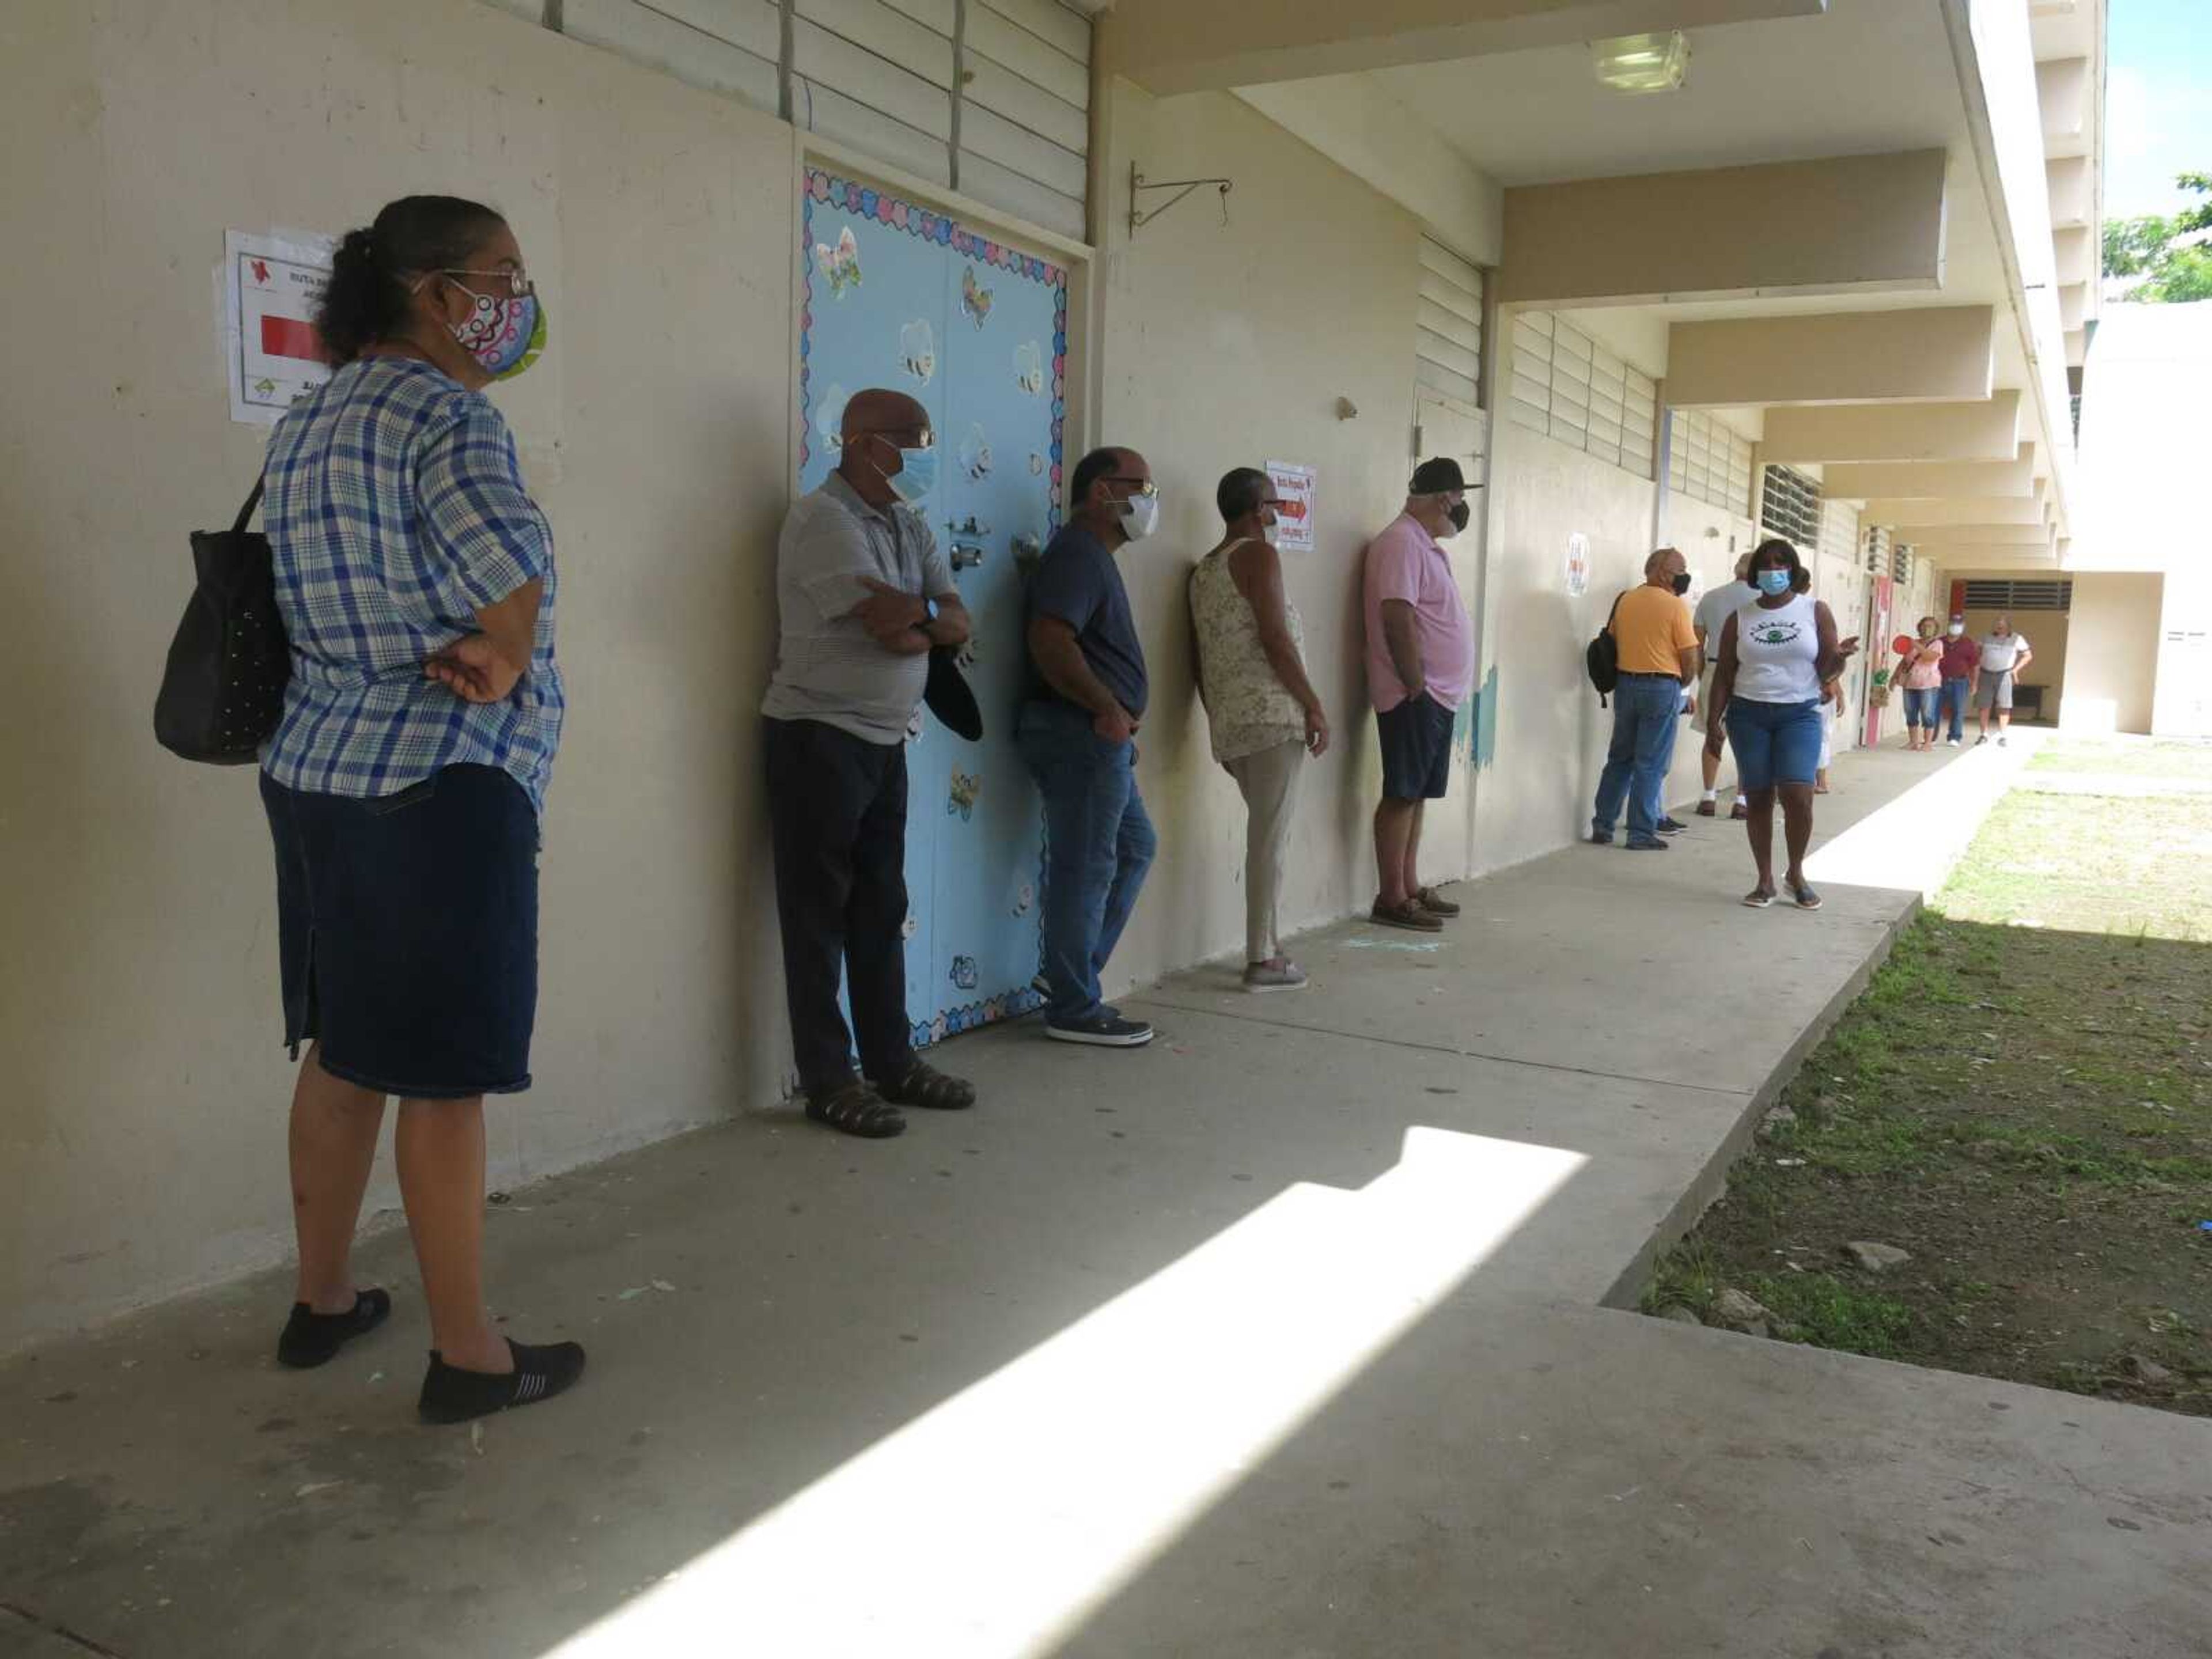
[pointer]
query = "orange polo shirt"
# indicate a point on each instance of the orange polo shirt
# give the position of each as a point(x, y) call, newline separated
point(1652, 628)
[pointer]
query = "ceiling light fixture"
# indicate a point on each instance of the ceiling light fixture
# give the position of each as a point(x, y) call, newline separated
point(1642, 62)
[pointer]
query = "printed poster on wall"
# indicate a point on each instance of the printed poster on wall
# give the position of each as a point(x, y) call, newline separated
point(1294, 519)
point(270, 288)
point(1579, 565)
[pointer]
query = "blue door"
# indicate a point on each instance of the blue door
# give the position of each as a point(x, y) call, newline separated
point(897, 295)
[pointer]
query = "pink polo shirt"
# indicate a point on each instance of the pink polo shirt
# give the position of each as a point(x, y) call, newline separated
point(1406, 563)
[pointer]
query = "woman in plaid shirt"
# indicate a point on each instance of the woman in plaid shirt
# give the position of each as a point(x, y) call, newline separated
point(404, 784)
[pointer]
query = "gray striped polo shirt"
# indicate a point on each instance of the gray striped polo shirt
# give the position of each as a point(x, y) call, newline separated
point(827, 668)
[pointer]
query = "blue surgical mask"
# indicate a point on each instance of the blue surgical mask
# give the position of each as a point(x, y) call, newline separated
point(1772, 583)
point(917, 474)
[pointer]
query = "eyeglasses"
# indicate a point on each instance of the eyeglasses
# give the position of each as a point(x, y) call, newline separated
point(924, 439)
point(1144, 486)
point(518, 282)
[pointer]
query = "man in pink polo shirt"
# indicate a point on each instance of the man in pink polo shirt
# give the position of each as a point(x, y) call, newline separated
point(1421, 665)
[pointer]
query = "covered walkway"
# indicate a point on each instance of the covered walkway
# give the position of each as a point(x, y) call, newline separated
point(1296, 1334)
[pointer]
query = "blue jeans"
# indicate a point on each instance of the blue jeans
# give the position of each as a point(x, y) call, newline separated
point(1645, 708)
point(1952, 701)
point(1098, 845)
point(1920, 706)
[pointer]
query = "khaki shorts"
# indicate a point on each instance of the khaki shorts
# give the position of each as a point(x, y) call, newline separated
point(1697, 721)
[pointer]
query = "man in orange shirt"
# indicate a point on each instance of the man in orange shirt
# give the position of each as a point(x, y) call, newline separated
point(1658, 655)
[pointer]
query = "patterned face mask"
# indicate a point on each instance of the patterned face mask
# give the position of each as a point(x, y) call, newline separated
point(505, 336)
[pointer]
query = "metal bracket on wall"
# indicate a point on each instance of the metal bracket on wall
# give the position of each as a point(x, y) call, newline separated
point(1182, 187)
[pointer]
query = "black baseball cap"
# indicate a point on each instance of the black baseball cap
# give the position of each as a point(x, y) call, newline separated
point(1435, 475)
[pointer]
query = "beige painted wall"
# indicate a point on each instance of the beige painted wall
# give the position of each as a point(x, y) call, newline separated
point(2111, 652)
point(142, 1137)
point(1230, 346)
point(1552, 735)
point(1862, 223)
point(1940, 354)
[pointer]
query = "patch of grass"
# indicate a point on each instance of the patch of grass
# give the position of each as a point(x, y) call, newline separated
point(2027, 1111)
point(2118, 758)
point(1828, 1313)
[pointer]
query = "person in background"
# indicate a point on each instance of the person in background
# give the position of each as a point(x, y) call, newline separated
point(1919, 674)
point(2004, 656)
point(406, 779)
point(1657, 649)
point(1831, 709)
point(1077, 731)
point(1715, 609)
point(1776, 654)
point(862, 595)
point(1961, 663)
point(1265, 717)
point(1420, 666)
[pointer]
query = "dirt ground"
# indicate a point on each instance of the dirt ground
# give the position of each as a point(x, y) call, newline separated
point(2022, 1102)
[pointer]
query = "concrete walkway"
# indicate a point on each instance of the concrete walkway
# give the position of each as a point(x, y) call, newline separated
point(1289, 1337)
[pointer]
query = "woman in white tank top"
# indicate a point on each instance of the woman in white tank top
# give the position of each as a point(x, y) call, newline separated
point(1775, 654)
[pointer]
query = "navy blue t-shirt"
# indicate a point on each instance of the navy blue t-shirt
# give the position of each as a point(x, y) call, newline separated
point(1079, 583)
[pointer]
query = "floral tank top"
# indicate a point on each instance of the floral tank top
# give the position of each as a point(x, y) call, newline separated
point(1249, 707)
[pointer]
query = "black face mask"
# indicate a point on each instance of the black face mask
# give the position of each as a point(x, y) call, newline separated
point(1682, 582)
point(1460, 515)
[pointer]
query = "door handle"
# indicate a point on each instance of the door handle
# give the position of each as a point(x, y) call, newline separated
point(966, 554)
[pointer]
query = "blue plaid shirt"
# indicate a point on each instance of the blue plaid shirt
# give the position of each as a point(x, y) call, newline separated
point(396, 512)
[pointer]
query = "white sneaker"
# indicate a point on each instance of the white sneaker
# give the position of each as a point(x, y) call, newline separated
point(1284, 975)
point(1950, 743)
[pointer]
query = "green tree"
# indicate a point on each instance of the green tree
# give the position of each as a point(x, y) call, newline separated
point(2133, 246)
point(2166, 257)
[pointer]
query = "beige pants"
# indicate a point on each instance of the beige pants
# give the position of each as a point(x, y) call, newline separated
point(1270, 783)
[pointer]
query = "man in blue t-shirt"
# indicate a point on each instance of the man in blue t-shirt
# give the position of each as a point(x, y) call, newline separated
point(1078, 732)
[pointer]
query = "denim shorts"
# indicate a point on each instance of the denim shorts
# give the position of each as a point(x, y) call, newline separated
point(1921, 707)
point(407, 926)
point(1774, 742)
point(1416, 749)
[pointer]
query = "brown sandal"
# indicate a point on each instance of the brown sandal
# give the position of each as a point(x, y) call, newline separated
point(925, 1086)
point(857, 1109)
point(1410, 916)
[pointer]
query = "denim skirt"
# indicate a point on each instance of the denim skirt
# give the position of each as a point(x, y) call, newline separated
point(408, 930)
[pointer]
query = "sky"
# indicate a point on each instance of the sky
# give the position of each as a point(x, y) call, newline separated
point(2158, 115)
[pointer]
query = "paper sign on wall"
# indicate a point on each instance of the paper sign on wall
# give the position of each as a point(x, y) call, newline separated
point(1579, 565)
point(272, 286)
point(1294, 519)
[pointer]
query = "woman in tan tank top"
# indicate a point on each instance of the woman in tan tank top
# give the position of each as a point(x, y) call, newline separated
point(1266, 717)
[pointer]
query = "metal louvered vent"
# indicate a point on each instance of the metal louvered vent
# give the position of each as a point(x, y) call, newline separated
point(1789, 507)
point(2008, 596)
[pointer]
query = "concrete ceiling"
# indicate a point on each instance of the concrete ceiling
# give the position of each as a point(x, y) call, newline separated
point(1870, 76)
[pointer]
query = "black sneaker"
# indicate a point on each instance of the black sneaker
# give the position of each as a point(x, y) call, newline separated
point(452, 1395)
point(1600, 837)
point(1671, 826)
point(1107, 1031)
point(1648, 844)
point(311, 1339)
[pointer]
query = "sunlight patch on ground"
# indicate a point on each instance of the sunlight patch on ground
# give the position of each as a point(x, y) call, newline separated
point(992, 1526)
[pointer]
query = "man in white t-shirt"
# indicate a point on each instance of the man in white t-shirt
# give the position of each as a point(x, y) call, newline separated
point(1712, 614)
point(2005, 657)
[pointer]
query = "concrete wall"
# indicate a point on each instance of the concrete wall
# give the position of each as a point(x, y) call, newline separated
point(142, 1140)
point(1552, 734)
point(1225, 347)
point(2111, 653)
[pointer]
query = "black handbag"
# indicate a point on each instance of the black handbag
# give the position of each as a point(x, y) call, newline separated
point(223, 691)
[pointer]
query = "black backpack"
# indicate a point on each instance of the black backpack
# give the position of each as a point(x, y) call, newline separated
point(223, 691)
point(1603, 658)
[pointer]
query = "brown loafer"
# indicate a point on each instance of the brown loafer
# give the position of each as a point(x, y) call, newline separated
point(1409, 916)
point(1705, 809)
point(1428, 899)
